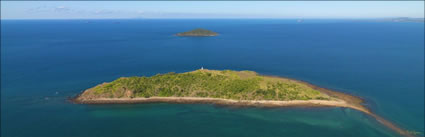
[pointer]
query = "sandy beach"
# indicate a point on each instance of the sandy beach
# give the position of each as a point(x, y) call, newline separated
point(190, 100)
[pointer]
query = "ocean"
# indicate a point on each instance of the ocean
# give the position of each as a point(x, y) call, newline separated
point(44, 62)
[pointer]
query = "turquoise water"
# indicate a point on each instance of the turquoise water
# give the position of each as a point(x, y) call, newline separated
point(45, 61)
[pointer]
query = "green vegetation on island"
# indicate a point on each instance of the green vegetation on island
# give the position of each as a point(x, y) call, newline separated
point(198, 32)
point(227, 84)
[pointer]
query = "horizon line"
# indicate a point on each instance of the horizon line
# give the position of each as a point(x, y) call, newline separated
point(345, 18)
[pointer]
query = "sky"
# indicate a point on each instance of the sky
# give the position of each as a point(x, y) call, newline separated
point(209, 9)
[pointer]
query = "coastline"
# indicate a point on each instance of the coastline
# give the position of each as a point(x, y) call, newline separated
point(192, 100)
point(340, 100)
point(355, 102)
point(247, 103)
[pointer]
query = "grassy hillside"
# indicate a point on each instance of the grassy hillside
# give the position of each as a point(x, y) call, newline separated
point(239, 85)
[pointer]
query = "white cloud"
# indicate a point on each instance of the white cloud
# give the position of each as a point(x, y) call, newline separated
point(105, 11)
point(39, 9)
point(61, 9)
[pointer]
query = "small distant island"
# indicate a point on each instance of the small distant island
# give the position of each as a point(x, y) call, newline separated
point(224, 87)
point(402, 19)
point(407, 19)
point(198, 33)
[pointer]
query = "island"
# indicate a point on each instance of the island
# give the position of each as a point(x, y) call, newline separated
point(223, 87)
point(401, 19)
point(407, 19)
point(198, 33)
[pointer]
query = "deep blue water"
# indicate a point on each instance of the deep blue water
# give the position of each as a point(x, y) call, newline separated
point(45, 61)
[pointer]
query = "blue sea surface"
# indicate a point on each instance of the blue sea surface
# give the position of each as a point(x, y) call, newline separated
point(43, 62)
